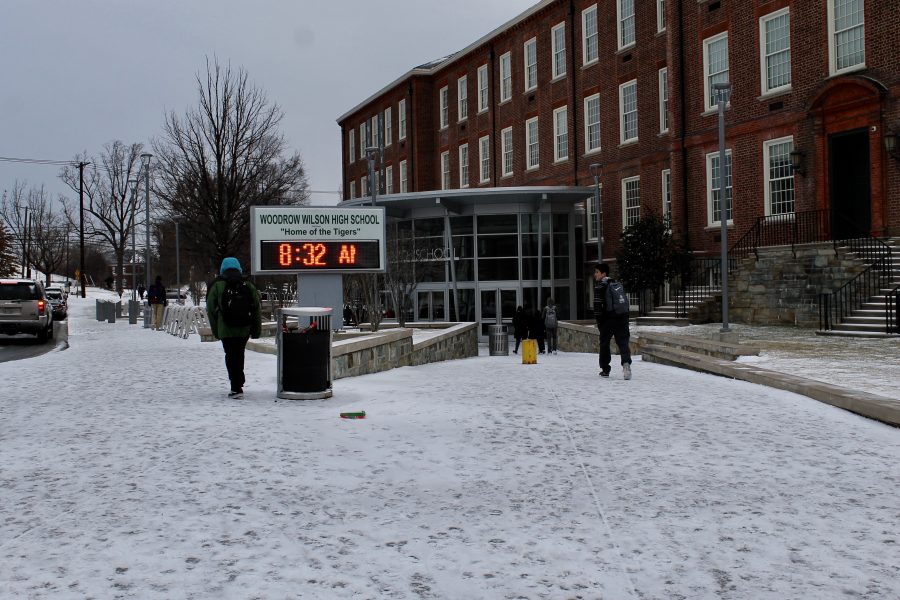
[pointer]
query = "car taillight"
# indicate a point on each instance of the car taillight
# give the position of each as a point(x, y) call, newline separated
point(42, 307)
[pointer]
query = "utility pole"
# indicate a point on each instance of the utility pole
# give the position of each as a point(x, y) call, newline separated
point(133, 183)
point(177, 265)
point(146, 156)
point(25, 243)
point(81, 167)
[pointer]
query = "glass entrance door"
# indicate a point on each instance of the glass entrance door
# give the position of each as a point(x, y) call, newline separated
point(494, 300)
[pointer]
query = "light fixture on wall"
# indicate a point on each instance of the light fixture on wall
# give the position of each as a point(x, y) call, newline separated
point(798, 160)
point(890, 144)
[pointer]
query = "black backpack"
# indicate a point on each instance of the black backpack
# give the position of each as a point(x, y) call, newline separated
point(616, 299)
point(237, 303)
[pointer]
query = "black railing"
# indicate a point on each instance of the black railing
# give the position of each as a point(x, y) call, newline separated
point(701, 279)
point(836, 306)
point(892, 311)
point(790, 229)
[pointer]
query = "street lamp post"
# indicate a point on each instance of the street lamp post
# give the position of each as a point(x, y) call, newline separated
point(723, 95)
point(371, 153)
point(595, 171)
point(146, 156)
point(133, 183)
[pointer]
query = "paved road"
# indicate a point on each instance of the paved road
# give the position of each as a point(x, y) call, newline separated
point(27, 346)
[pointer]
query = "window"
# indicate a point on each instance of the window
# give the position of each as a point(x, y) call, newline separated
point(352, 190)
point(775, 51)
point(351, 142)
point(464, 166)
point(558, 37)
point(462, 97)
point(389, 179)
point(667, 197)
point(401, 118)
point(714, 208)
point(779, 176)
point(561, 133)
point(532, 149)
point(631, 201)
point(445, 107)
point(376, 140)
point(388, 131)
point(530, 53)
point(715, 66)
point(590, 48)
point(505, 78)
point(663, 100)
point(846, 35)
point(592, 213)
point(660, 15)
point(445, 170)
point(404, 183)
point(362, 141)
point(625, 10)
point(592, 123)
point(482, 88)
point(628, 112)
point(364, 191)
point(506, 142)
point(484, 152)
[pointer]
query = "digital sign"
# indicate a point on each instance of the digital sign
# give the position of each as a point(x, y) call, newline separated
point(306, 239)
point(318, 255)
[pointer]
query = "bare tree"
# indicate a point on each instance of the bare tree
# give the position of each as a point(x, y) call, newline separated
point(405, 269)
point(223, 157)
point(362, 294)
point(7, 253)
point(110, 211)
point(43, 235)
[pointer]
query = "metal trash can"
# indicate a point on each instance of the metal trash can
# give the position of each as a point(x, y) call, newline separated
point(498, 340)
point(303, 338)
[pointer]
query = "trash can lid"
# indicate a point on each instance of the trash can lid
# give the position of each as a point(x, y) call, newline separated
point(306, 311)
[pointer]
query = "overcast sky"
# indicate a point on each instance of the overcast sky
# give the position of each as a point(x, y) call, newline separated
point(75, 75)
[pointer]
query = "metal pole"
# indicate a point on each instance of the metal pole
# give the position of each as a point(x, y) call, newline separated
point(723, 94)
point(177, 266)
point(146, 158)
point(24, 240)
point(595, 171)
point(82, 278)
point(134, 184)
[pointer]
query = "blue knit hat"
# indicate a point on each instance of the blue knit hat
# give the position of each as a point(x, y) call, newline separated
point(229, 263)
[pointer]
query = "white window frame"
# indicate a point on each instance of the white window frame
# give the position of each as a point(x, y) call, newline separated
point(660, 16)
point(462, 97)
point(351, 142)
point(532, 140)
point(590, 53)
point(389, 179)
point(587, 124)
point(444, 96)
point(529, 53)
point(464, 165)
point(664, 100)
point(352, 190)
point(362, 138)
point(625, 207)
point(832, 46)
point(712, 186)
point(561, 134)
point(404, 177)
point(558, 51)
point(484, 159)
point(666, 195)
point(767, 153)
point(445, 170)
point(505, 77)
point(626, 25)
point(709, 104)
point(591, 213)
point(388, 129)
point(623, 115)
point(401, 119)
point(764, 57)
point(483, 88)
point(375, 130)
point(506, 151)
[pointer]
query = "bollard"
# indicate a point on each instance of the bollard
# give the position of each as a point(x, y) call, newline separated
point(110, 312)
point(133, 311)
point(98, 307)
point(147, 316)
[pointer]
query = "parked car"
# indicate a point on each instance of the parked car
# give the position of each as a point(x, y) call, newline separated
point(58, 302)
point(174, 295)
point(24, 308)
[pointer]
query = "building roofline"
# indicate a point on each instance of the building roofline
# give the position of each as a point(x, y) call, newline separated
point(441, 63)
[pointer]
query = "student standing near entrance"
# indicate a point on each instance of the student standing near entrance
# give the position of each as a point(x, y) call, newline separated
point(550, 326)
point(610, 323)
point(235, 315)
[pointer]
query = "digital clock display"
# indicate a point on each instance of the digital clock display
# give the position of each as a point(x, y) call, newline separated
point(319, 255)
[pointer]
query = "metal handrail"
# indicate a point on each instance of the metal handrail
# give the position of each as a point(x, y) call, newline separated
point(892, 311)
point(835, 306)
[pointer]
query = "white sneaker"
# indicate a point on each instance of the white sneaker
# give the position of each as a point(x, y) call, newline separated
point(626, 371)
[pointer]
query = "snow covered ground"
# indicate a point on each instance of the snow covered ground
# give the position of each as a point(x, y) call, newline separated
point(127, 473)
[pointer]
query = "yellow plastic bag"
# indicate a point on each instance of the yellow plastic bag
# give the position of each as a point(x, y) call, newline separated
point(529, 352)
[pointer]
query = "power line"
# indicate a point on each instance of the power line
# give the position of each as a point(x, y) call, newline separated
point(38, 161)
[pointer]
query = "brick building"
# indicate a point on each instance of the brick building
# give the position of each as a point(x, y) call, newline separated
point(623, 88)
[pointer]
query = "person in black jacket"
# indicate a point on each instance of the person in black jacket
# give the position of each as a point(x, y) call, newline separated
point(536, 328)
point(610, 325)
point(520, 327)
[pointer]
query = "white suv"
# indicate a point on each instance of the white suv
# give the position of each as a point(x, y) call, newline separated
point(24, 308)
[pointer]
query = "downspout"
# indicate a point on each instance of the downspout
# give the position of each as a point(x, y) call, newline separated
point(573, 92)
point(491, 100)
point(411, 132)
point(682, 126)
point(344, 165)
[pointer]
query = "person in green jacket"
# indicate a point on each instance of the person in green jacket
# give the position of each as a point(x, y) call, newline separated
point(234, 311)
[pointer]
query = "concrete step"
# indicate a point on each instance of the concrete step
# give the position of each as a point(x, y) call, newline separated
point(660, 321)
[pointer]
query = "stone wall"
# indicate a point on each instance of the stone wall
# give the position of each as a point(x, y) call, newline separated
point(781, 289)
